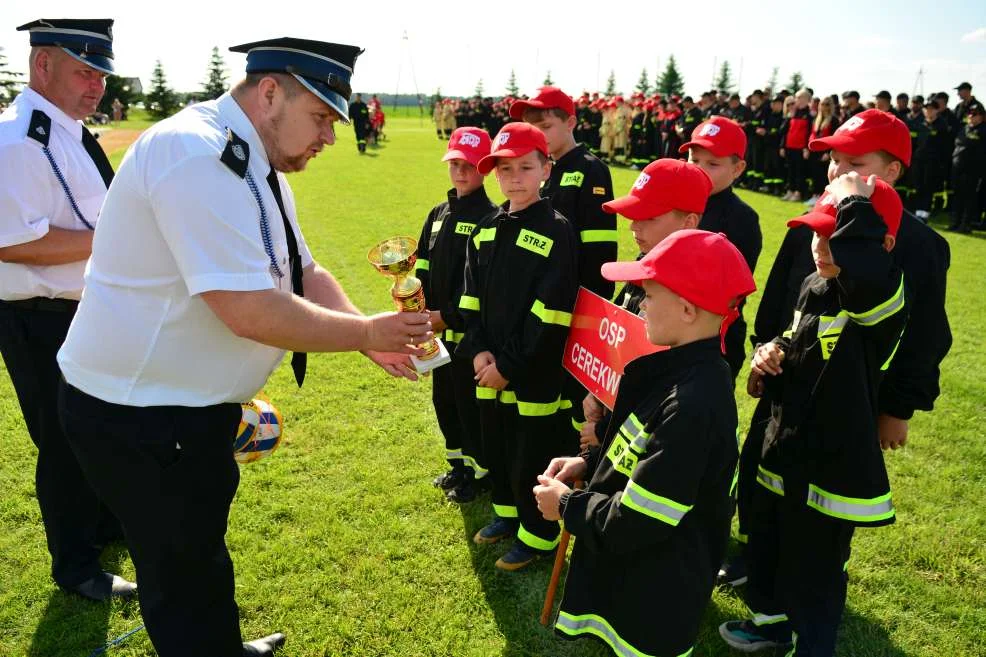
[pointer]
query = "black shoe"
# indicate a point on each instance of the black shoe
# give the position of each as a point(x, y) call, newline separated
point(496, 530)
point(733, 572)
point(104, 586)
point(264, 647)
point(451, 479)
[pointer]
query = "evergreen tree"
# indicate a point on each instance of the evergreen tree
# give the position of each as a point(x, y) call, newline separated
point(479, 88)
point(215, 84)
point(512, 88)
point(671, 82)
point(162, 102)
point(725, 80)
point(117, 87)
point(796, 83)
point(772, 80)
point(547, 79)
point(643, 84)
point(611, 84)
point(10, 83)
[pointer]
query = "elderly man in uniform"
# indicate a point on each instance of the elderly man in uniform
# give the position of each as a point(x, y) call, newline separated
point(200, 279)
point(53, 177)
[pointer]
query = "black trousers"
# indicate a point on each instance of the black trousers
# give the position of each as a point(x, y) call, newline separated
point(749, 459)
point(797, 560)
point(76, 523)
point(168, 474)
point(797, 171)
point(929, 177)
point(964, 201)
point(453, 394)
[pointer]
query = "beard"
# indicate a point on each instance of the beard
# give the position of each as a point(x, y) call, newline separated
point(280, 159)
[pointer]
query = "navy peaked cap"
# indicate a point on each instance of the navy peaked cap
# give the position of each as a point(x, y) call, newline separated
point(89, 40)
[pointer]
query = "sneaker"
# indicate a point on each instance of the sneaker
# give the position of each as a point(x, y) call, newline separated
point(493, 532)
point(519, 556)
point(451, 479)
point(744, 636)
point(733, 572)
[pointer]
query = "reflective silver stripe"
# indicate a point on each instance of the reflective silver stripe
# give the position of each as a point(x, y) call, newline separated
point(453, 454)
point(600, 627)
point(883, 311)
point(635, 434)
point(832, 325)
point(643, 501)
point(768, 619)
point(772, 482)
point(850, 508)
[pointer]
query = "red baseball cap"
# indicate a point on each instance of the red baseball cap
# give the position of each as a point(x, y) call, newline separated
point(662, 186)
point(513, 140)
point(546, 98)
point(702, 267)
point(469, 144)
point(885, 201)
point(720, 136)
point(868, 131)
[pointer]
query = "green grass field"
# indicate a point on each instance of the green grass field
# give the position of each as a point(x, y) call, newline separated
point(340, 541)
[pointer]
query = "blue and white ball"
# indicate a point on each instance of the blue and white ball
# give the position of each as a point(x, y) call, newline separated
point(259, 433)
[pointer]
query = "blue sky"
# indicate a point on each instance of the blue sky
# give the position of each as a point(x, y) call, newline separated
point(836, 45)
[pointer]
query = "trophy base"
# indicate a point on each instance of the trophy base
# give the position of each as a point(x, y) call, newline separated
point(439, 359)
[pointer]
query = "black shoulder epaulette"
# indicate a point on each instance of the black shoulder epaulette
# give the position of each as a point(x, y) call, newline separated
point(236, 155)
point(40, 128)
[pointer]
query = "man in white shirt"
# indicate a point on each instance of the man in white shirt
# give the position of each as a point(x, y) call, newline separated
point(199, 281)
point(53, 177)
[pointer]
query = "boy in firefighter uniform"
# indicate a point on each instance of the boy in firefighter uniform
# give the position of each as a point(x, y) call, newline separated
point(968, 170)
point(718, 147)
point(578, 187)
point(521, 279)
point(821, 472)
point(440, 265)
point(655, 515)
point(773, 166)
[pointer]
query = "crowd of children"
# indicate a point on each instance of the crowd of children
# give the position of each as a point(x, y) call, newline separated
point(836, 373)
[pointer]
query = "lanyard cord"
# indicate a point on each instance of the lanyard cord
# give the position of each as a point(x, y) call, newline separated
point(264, 226)
point(65, 188)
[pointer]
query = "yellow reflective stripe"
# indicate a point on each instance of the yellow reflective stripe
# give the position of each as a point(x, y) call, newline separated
point(467, 302)
point(886, 364)
point(453, 336)
point(484, 235)
point(742, 538)
point(598, 236)
point(577, 425)
point(483, 392)
point(453, 454)
point(505, 511)
point(533, 409)
point(794, 645)
point(772, 482)
point(828, 325)
point(559, 317)
point(735, 483)
point(643, 501)
point(599, 627)
point(850, 508)
point(883, 311)
point(478, 470)
point(633, 429)
point(536, 542)
point(508, 397)
point(769, 619)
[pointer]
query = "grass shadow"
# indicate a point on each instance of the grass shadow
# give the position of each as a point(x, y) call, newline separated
point(862, 635)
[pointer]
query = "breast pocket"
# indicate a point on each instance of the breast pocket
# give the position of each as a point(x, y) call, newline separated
point(89, 208)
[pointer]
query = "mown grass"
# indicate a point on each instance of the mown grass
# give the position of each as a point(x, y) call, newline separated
point(340, 540)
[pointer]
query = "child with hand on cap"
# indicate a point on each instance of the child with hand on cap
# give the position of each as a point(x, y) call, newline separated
point(440, 266)
point(652, 524)
point(521, 279)
point(668, 196)
point(718, 147)
point(821, 472)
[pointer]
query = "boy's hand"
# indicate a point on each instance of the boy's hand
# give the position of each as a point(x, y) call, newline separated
point(437, 323)
point(592, 408)
point(892, 431)
point(566, 469)
point(587, 436)
point(754, 385)
point(851, 184)
point(548, 493)
point(768, 359)
point(481, 361)
point(396, 365)
point(491, 378)
point(783, 154)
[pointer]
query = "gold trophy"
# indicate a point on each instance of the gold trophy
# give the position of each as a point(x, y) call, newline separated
point(395, 257)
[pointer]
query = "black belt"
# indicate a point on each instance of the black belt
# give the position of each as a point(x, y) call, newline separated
point(45, 304)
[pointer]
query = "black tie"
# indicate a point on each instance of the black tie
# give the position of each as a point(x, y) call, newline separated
point(299, 360)
point(98, 156)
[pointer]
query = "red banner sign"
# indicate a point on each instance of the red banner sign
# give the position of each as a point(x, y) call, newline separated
point(602, 340)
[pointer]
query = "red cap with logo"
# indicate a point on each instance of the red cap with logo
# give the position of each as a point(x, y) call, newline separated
point(513, 140)
point(662, 186)
point(720, 136)
point(546, 98)
point(885, 201)
point(703, 268)
point(469, 144)
point(869, 131)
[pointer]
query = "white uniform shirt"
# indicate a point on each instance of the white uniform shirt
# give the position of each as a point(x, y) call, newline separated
point(32, 200)
point(178, 222)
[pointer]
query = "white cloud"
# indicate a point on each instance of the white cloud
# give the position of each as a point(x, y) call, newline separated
point(974, 36)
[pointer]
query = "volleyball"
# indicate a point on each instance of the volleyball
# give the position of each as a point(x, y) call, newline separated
point(259, 433)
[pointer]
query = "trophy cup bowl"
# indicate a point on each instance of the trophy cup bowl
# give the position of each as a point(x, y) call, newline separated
point(395, 257)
